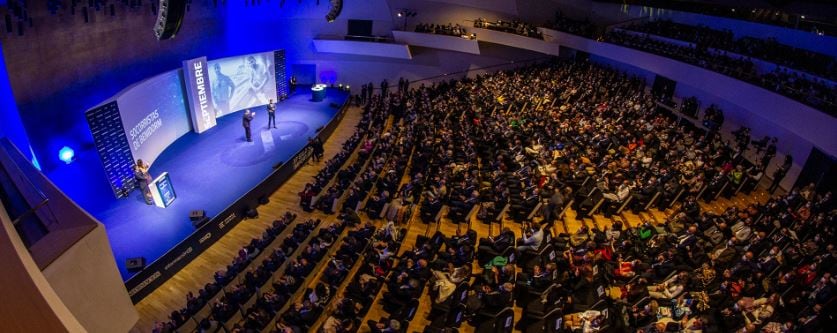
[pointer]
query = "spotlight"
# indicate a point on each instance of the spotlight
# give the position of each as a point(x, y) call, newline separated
point(66, 154)
point(399, 14)
point(334, 12)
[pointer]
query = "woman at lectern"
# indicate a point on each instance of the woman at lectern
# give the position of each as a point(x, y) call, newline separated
point(143, 179)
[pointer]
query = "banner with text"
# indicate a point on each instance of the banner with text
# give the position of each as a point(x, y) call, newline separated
point(199, 93)
point(153, 114)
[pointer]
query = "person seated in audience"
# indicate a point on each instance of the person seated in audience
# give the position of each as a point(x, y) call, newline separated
point(616, 196)
point(531, 240)
point(385, 326)
point(491, 247)
point(283, 327)
point(670, 288)
point(403, 289)
point(445, 282)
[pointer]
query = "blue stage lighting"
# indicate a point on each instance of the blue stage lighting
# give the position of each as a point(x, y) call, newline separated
point(66, 154)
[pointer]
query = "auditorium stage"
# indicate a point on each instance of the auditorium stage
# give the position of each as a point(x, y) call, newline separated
point(209, 171)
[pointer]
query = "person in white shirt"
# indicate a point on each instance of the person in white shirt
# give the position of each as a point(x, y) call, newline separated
point(669, 289)
point(531, 240)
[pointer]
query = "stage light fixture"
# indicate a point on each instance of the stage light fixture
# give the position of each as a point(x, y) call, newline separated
point(334, 11)
point(66, 154)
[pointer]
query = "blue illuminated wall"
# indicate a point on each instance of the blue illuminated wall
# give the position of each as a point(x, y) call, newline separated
point(10, 124)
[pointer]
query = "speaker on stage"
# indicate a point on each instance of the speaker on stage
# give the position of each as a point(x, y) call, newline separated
point(251, 213)
point(198, 218)
point(135, 264)
point(264, 200)
point(169, 18)
point(197, 215)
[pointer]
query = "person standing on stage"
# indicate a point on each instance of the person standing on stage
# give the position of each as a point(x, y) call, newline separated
point(318, 148)
point(271, 114)
point(223, 89)
point(780, 173)
point(293, 83)
point(143, 180)
point(245, 121)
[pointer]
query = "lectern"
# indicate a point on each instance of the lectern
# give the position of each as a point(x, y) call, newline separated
point(162, 191)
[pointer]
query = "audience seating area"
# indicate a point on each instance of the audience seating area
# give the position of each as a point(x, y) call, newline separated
point(799, 74)
point(803, 75)
point(528, 150)
point(514, 27)
point(450, 29)
point(583, 28)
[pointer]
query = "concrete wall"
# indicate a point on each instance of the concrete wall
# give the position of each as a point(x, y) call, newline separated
point(86, 279)
point(30, 304)
point(11, 125)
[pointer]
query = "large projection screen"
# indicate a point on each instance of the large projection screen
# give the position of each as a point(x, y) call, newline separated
point(154, 114)
point(241, 82)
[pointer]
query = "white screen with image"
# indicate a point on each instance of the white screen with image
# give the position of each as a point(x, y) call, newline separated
point(242, 82)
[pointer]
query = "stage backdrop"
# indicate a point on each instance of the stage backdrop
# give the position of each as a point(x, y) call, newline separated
point(154, 114)
point(199, 93)
point(242, 82)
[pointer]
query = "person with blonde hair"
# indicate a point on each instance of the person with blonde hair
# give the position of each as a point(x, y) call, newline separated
point(143, 179)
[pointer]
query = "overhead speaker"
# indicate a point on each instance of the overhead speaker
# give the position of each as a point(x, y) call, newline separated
point(169, 18)
point(334, 10)
point(251, 213)
point(135, 264)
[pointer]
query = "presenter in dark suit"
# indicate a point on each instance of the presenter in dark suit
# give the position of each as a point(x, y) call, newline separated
point(143, 180)
point(271, 114)
point(245, 121)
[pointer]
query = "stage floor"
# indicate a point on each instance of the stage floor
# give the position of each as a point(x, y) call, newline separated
point(209, 171)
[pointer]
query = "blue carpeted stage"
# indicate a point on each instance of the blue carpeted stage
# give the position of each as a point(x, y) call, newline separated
point(209, 171)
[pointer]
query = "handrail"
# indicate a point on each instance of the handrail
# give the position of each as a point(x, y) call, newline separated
point(377, 39)
point(29, 212)
point(10, 164)
point(31, 194)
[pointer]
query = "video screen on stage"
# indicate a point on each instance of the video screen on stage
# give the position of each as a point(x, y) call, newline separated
point(154, 114)
point(242, 82)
